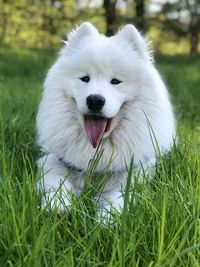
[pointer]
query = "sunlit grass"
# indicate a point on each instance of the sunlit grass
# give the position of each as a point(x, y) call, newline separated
point(160, 225)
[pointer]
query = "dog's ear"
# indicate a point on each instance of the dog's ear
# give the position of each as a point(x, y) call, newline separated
point(85, 30)
point(131, 34)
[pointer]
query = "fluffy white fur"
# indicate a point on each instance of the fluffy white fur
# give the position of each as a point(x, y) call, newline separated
point(141, 95)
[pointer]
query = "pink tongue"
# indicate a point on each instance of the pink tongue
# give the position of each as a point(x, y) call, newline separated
point(95, 128)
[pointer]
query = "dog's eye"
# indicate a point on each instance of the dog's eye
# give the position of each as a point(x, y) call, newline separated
point(85, 79)
point(115, 81)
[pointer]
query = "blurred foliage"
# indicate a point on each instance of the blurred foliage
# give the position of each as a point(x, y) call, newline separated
point(173, 28)
point(42, 23)
point(181, 18)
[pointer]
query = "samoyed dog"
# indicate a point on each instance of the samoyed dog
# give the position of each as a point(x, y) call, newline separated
point(101, 88)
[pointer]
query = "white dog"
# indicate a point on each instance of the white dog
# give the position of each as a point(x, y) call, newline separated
point(101, 88)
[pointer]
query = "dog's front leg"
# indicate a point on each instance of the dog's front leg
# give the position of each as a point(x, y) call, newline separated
point(54, 184)
point(109, 203)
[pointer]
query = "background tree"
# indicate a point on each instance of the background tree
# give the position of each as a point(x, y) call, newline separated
point(39, 23)
point(193, 8)
point(139, 14)
point(110, 16)
point(182, 18)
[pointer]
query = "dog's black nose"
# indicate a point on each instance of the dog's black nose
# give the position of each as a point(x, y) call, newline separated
point(95, 102)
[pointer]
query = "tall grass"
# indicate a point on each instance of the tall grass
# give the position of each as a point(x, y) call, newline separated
point(160, 224)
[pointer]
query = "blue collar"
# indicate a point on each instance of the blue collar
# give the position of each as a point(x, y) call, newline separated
point(72, 167)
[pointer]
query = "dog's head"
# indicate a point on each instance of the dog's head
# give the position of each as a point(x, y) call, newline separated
point(101, 74)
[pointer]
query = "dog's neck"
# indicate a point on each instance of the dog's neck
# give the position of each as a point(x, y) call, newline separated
point(76, 169)
point(68, 165)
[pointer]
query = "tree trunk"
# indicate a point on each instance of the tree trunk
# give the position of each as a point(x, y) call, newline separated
point(110, 14)
point(193, 29)
point(194, 33)
point(194, 44)
point(4, 27)
point(139, 11)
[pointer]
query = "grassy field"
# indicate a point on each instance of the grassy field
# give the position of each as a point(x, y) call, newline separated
point(162, 229)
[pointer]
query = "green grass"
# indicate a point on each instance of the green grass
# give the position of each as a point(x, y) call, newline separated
point(161, 229)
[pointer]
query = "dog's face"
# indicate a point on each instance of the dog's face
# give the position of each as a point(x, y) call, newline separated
point(101, 74)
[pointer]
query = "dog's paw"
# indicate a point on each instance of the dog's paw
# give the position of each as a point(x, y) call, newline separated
point(54, 201)
point(107, 211)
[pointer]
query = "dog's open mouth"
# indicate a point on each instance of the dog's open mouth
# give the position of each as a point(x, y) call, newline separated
point(95, 128)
